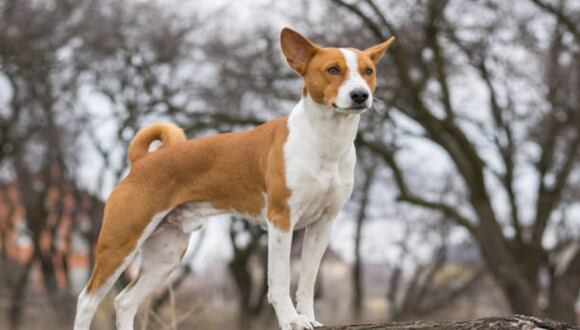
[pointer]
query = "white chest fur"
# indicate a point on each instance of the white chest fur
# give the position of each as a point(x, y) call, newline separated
point(320, 159)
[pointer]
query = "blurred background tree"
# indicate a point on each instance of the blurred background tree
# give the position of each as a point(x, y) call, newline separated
point(467, 182)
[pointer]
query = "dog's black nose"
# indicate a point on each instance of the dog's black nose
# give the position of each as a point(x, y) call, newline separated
point(359, 96)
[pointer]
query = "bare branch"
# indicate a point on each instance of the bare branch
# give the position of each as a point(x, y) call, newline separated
point(560, 15)
point(436, 10)
point(407, 196)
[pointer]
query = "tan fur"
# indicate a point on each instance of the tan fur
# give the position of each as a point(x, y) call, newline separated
point(375, 53)
point(312, 62)
point(297, 49)
point(318, 82)
point(167, 133)
point(231, 171)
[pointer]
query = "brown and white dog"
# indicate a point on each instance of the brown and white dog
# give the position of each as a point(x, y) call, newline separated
point(289, 173)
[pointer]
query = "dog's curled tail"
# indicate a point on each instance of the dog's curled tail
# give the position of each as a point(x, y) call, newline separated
point(167, 133)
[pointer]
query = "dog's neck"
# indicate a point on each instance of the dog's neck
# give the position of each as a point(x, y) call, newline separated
point(329, 133)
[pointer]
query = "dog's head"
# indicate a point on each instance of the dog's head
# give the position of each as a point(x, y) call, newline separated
point(344, 78)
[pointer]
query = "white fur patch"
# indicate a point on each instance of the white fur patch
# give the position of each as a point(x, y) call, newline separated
point(352, 82)
point(315, 243)
point(319, 156)
point(155, 145)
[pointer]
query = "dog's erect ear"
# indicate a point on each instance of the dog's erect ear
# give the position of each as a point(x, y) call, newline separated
point(297, 49)
point(376, 52)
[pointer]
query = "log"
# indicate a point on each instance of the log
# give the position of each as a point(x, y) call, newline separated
point(512, 322)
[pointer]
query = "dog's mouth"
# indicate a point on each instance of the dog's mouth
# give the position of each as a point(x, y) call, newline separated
point(357, 109)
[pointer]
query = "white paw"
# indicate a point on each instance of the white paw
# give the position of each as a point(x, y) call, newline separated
point(299, 323)
point(312, 321)
point(316, 324)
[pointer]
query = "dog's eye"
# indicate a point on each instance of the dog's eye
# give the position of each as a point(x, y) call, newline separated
point(333, 70)
point(368, 71)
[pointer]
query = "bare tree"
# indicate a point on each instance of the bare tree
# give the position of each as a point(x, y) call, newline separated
point(46, 61)
point(32, 138)
point(434, 51)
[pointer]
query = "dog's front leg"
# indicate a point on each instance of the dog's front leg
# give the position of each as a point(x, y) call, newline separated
point(279, 245)
point(315, 243)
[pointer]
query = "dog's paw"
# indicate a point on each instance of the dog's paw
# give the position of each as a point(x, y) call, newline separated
point(299, 323)
point(316, 324)
point(312, 321)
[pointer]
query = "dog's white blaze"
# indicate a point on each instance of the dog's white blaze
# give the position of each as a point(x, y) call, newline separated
point(352, 82)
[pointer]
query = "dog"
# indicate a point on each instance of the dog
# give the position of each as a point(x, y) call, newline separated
point(289, 173)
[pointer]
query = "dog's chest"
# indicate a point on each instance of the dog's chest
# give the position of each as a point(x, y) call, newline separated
point(319, 161)
point(319, 187)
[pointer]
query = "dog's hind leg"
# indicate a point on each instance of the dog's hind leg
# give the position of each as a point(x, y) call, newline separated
point(89, 300)
point(160, 255)
point(114, 253)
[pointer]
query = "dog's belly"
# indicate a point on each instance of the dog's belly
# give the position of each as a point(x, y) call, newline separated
point(191, 216)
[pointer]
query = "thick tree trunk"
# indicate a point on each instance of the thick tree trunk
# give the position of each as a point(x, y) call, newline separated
point(514, 322)
point(564, 288)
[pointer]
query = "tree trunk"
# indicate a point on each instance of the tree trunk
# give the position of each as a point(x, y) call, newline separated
point(501, 262)
point(514, 322)
point(357, 273)
point(564, 289)
point(244, 284)
point(18, 296)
